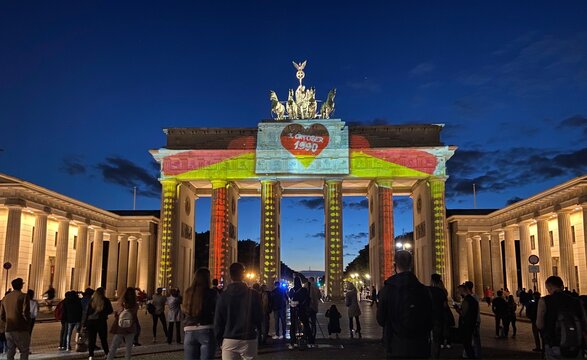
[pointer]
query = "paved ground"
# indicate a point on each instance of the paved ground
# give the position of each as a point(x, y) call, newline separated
point(45, 342)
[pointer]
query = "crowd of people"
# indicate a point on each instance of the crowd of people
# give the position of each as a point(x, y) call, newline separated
point(417, 320)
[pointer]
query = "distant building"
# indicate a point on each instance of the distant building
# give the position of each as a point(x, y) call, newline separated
point(52, 239)
point(492, 247)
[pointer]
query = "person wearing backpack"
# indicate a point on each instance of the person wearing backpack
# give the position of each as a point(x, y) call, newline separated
point(469, 322)
point(124, 326)
point(405, 312)
point(561, 320)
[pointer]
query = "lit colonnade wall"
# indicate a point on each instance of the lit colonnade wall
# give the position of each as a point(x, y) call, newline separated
point(53, 240)
point(270, 162)
point(550, 225)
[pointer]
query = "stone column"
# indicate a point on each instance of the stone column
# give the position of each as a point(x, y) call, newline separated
point(470, 260)
point(544, 253)
point(525, 252)
point(219, 246)
point(132, 262)
point(496, 264)
point(143, 262)
point(12, 244)
point(122, 265)
point(112, 272)
point(486, 260)
point(270, 265)
point(96, 273)
point(440, 238)
point(61, 258)
point(511, 267)
point(463, 258)
point(477, 266)
point(333, 238)
point(567, 258)
point(167, 247)
point(38, 258)
point(381, 239)
point(80, 274)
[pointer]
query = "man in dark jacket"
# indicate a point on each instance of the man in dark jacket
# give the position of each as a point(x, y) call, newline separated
point(279, 306)
point(468, 321)
point(531, 312)
point(500, 309)
point(298, 311)
point(405, 312)
point(238, 317)
point(554, 314)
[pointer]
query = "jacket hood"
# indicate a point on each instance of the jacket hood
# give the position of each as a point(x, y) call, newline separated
point(236, 289)
point(404, 279)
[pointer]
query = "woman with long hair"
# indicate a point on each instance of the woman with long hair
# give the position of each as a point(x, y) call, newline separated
point(124, 326)
point(198, 307)
point(96, 321)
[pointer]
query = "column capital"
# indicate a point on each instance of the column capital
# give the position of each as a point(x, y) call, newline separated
point(438, 178)
point(170, 180)
point(564, 212)
point(218, 184)
point(386, 183)
point(333, 181)
point(476, 237)
point(469, 240)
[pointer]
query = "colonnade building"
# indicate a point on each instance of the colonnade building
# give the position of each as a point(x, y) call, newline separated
point(53, 240)
point(492, 247)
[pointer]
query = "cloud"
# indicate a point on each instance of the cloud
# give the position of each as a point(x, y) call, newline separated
point(513, 200)
point(307, 220)
point(402, 205)
point(125, 173)
point(576, 122)
point(318, 235)
point(313, 204)
point(529, 66)
point(365, 85)
point(499, 170)
point(73, 166)
point(356, 236)
point(363, 204)
point(422, 68)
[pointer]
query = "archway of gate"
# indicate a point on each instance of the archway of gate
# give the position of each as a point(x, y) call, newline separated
point(230, 164)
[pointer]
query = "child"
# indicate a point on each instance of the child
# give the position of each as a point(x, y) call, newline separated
point(333, 321)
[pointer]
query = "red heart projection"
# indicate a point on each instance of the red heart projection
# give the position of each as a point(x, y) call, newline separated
point(305, 143)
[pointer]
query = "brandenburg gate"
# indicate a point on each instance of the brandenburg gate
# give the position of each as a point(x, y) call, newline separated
point(302, 151)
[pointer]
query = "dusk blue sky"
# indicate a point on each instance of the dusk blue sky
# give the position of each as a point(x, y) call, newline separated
point(87, 87)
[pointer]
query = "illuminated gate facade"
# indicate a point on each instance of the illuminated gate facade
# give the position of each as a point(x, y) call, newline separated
point(293, 155)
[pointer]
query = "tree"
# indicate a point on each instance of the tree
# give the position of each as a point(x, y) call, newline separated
point(360, 264)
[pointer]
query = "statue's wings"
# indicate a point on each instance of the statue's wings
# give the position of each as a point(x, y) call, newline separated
point(300, 66)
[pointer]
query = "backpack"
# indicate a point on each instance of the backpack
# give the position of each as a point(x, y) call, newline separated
point(568, 333)
point(125, 319)
point(412, 311)
point(58, 312)
point(150, 308)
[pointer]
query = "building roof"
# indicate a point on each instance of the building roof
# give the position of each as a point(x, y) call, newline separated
point(456, 212)
point(382, 136)
point(154, 213)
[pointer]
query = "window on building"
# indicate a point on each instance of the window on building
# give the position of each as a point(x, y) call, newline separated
point(532, 242)
point(33, 234)
point(56, 238)
point(551, 236)
point(75, 242)
point(573, 234)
